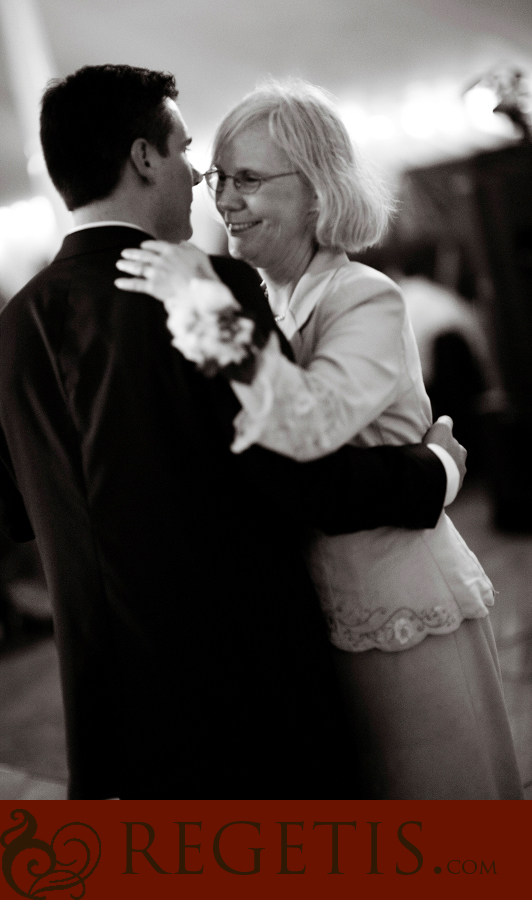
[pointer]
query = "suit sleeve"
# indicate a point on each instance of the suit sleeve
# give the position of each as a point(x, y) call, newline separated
point(355, 488)
point(14, 521)
point(359, 488)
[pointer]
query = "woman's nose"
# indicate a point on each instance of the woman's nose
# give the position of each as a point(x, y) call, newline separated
point(229, 197)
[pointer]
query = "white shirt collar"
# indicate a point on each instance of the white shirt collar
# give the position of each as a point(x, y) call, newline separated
point(105, 224)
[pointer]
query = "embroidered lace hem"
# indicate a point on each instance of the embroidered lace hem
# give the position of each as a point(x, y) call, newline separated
point(399, 631)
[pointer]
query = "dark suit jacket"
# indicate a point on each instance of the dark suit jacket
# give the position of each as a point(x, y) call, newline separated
point(192, 650)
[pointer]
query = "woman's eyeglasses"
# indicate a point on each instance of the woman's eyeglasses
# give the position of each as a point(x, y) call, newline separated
point(244, 182)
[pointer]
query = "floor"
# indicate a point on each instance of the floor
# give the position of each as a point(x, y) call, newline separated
point(32, 759)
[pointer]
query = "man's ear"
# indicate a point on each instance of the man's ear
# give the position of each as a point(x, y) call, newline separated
point(145, 159)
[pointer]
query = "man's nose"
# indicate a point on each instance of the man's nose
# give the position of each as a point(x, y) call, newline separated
point(197, 177)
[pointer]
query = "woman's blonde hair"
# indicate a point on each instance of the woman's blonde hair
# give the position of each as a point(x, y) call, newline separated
point(353, 205)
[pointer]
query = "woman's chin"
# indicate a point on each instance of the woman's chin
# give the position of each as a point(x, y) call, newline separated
point(237, 249)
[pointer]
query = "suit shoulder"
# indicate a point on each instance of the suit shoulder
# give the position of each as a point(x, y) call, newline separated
point(35, 287)
point(228, 268)
point(243, 282)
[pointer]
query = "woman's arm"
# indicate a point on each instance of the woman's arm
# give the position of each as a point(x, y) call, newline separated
point(352, 376)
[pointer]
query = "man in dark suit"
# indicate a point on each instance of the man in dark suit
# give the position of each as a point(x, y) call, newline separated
point(192, 651)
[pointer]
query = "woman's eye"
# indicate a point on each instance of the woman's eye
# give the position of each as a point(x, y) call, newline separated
point(249, 179)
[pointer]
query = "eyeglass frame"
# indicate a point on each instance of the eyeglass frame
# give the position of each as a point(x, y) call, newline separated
point(237, 182)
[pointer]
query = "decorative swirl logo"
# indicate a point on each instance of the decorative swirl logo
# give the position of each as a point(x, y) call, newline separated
point(33, 868)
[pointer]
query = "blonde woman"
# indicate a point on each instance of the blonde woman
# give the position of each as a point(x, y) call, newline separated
point(407, 610)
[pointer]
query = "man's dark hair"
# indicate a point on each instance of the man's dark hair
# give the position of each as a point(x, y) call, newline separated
point(89, 121)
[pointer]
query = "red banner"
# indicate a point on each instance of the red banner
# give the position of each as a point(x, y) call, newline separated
point(262, 848)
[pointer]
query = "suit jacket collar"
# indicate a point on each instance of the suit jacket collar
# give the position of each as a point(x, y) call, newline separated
point(93, 240)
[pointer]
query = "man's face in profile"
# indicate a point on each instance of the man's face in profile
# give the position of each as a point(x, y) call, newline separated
point(175, 178)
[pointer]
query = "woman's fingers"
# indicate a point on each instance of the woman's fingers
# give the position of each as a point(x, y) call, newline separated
point(140, 255)
point(174, 259)
point(151, 275)
point(186, 257)
point(185, 250)
point(138, 285)
point(163, 270)
point(132, 266)
point(160, 248)
point(147, 265)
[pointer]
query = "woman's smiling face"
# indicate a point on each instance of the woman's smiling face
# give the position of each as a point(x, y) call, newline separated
point(274, 225)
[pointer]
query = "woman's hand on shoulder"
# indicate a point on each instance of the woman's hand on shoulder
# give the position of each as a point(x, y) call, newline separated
point(203, 317)
point(163, 270)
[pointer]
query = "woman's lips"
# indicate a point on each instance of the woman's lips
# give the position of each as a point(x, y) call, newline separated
point(239, 227)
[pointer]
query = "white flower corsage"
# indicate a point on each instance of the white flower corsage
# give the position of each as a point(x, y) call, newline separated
point(208, 326)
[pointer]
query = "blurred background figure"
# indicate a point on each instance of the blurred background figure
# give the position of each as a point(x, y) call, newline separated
point(450, 334)
point(438, 94)
point(452, 345)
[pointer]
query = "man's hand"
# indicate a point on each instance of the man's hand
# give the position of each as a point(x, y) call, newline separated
point(442, 433)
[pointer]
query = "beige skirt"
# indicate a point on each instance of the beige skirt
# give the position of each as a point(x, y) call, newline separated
point(431, 721)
